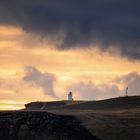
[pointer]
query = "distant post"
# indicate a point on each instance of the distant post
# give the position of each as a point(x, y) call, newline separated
point(127, 91)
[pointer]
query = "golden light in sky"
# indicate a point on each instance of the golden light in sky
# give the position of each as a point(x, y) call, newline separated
point(71, 68)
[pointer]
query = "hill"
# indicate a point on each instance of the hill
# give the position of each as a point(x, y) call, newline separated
point(50, 105)
point(127, 102)
point(120, 102)
point(111, 119)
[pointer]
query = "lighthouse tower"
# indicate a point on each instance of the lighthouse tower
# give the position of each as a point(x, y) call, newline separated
point(70, 98)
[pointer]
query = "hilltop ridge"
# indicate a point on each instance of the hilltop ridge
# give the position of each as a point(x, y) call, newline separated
point(127, 102)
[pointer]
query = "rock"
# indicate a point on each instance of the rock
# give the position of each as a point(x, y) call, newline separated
point(32, 125)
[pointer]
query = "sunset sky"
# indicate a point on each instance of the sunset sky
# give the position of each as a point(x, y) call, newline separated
point(51, 47)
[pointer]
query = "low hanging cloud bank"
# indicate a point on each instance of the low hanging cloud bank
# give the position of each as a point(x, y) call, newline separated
point(38, 85)
point(91, 91)
point(44, 80)
point(107, 24)
point(132, 81)
point(82, 89)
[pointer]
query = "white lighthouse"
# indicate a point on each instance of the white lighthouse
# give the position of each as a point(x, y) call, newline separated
point(70, 98)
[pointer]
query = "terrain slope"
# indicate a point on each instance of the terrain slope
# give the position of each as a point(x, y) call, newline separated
point(111, 119)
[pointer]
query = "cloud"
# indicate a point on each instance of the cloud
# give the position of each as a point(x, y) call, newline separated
point(132, 81)
point(91, 91)
point(29, 87)
point(79, 23)
point(44, 80)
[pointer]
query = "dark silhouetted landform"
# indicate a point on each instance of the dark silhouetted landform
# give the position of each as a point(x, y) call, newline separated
point(125, 102)
point(33, 125)
point(50, 105)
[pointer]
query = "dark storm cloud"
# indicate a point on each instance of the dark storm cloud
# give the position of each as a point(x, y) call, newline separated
point(83, 22)
point(43, 80)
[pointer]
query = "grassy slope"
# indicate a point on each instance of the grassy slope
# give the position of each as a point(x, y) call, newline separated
point(119, 124)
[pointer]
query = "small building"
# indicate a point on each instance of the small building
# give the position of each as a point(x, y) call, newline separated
point(70, 97)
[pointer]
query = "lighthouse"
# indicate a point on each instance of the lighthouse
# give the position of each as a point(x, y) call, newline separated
point(70, 98)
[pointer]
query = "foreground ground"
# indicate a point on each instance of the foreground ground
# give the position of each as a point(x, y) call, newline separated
point(41, 125)
point(122, 124)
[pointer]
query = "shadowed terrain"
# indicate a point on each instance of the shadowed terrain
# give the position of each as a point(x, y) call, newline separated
point(34, 125)
point(50, 105)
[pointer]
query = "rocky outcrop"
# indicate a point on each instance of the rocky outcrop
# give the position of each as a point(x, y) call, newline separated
point(32, 125)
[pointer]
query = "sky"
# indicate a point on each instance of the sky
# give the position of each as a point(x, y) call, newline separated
point(51, 47)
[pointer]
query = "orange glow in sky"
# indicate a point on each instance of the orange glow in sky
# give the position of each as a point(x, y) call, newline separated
point(19, 50)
